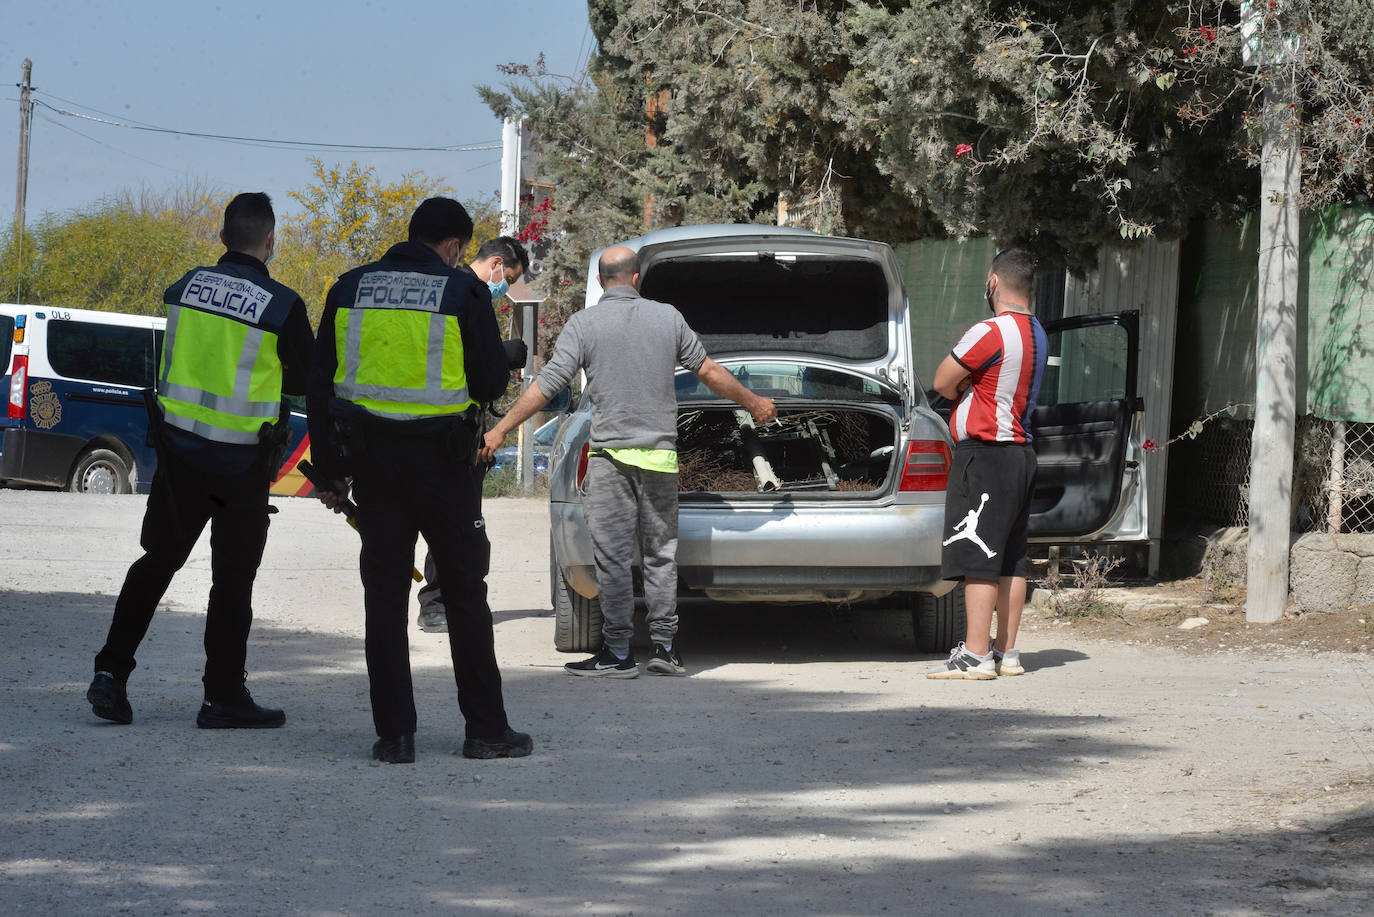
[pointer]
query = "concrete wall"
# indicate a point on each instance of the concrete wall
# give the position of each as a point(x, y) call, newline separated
point(1326, 572)
point(1331, 572)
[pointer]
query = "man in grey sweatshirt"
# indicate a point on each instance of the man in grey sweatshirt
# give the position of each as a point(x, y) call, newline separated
point(630, 347)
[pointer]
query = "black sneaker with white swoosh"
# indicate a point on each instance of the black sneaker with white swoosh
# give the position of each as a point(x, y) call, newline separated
point(605, 664)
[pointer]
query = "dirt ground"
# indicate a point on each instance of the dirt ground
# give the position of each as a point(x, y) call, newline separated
point(1150, 613)
point(805, 766)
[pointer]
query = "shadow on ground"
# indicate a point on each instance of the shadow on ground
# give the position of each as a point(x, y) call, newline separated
point(735, 796)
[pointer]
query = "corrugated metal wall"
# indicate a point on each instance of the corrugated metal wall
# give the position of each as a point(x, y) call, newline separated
point(1144, 277)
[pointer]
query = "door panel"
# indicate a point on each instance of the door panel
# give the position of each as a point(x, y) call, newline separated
point(1082, 423)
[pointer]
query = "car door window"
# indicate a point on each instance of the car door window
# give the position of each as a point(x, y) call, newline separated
point(1086, 364)
point(117, 354)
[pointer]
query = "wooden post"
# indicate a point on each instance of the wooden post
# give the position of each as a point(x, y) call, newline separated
point(21, 191)
point(1271, 447)
point(1335, 485)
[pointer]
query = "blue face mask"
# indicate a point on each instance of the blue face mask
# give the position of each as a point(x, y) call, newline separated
point(498, 289)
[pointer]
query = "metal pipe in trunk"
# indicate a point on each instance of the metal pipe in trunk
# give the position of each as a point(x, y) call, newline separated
point(763, 472)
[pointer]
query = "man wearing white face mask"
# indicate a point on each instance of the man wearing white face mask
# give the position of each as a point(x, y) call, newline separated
point(499, 262)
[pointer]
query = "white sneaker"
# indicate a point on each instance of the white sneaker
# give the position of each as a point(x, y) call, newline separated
point(963, 664)
point(1008, 663)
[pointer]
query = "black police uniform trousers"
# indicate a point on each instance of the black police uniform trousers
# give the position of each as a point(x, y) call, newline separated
point(406, 485)
point(183, 499)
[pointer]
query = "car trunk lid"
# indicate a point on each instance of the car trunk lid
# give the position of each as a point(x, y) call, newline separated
point(767, 291)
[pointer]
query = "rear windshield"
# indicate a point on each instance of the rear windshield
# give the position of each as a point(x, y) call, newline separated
point(101, 353)
point(811, 305)
point(788, 380)
point(6, 339)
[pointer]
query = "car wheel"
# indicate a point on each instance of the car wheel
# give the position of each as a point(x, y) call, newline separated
point(99, 471)
point(940, 622)
point(576, 620)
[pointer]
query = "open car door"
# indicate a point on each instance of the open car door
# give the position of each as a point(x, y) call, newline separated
point(1088, 477)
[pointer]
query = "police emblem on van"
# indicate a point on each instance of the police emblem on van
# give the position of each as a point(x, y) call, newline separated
point(44, 405)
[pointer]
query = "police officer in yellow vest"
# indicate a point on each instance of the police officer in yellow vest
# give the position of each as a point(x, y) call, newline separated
point(236, 341)
point(407, 348)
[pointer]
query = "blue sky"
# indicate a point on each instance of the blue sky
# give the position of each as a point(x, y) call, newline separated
point(349, 71)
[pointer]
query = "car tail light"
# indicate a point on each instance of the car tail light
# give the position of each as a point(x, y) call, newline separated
point(18, 382)
point(927, 466)
point(582, 464)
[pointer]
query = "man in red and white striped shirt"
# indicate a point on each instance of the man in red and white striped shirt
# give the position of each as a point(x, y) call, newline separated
point(993, 374)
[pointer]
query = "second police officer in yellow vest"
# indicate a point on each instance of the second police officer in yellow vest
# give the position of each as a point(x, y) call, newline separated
point(236, 341)
point(408, 347)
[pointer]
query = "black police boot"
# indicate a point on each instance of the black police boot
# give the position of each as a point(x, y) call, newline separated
point(395, 750)
point(510, 745)
point(235, 709)
point(108, 699)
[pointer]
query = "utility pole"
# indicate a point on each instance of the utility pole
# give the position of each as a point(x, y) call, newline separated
point(1271, 447)
point(25, 119)
point(527, 313)
point(21, 191)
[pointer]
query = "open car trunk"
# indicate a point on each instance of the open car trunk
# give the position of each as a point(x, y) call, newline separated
point(816, 451)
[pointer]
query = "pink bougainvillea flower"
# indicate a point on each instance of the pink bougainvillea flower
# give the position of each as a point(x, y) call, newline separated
point(1208, 33)
point(1148, 445)
point(962, 149)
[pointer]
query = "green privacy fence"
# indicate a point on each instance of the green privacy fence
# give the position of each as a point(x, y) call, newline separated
point(945, 280)
point(1218, 284)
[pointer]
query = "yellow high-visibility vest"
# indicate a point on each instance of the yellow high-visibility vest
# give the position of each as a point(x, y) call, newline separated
point(399, 357)
point(220, 376)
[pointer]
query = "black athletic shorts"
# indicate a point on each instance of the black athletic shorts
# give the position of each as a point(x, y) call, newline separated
point(987, 507)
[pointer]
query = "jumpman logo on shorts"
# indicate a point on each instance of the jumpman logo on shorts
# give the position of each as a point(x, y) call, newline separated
point(967, 528)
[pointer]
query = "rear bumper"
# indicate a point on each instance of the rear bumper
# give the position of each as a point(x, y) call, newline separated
point(786, 552)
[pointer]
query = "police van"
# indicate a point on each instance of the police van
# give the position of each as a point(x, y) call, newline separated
point(76, 417)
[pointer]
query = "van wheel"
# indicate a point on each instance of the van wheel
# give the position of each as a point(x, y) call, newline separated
point(99, 471)
point(576, 620)
point(939, 623)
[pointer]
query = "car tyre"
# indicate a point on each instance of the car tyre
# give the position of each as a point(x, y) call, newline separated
point(576, 620)
point(100, 471)
point(940, 622)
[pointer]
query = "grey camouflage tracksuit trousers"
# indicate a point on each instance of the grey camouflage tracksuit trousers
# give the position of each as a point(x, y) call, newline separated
point(625, 506)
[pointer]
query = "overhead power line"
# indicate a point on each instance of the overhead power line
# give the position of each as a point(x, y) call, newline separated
point(270, 142)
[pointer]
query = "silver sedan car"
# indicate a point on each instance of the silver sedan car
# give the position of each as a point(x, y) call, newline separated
point(841, 499)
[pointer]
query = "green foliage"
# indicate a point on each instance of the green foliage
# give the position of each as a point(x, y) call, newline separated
point(1060, 127)
point(120, 254)
point(505, 483)
point(350, 214)
point(113, 256)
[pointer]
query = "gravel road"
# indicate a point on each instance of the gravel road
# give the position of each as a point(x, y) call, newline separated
point(805, 767)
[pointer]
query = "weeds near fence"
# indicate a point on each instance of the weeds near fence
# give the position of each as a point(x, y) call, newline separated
point(504, 482)
point(1219, 584)
point(1079, 595)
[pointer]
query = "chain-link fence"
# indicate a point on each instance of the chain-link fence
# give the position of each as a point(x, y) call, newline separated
point(1333, 470)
